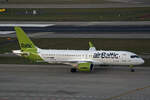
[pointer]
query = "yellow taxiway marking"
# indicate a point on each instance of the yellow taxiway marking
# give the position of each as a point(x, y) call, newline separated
point(128, 92)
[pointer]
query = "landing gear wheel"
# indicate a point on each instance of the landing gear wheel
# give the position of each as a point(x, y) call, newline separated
point(132, 70)
point(73, 70)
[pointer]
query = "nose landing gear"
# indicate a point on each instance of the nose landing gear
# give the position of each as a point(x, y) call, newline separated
point(131, 68)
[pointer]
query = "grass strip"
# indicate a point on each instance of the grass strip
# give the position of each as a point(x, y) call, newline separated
point(71, 14)
point(58, 1)
point(135, 45)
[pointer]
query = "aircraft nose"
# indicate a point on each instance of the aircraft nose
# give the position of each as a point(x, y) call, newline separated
point(141, 61)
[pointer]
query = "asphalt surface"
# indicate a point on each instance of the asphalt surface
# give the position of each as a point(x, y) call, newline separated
point(100, 23)
point(93, 28)
point(56, 82)
point(115, 35)
point(137, 29)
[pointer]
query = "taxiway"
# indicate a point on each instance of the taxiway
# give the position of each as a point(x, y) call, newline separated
point(117, 29)
point(56, 82)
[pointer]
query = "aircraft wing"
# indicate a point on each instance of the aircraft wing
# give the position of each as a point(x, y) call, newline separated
point(80, 61)
point(81, 65)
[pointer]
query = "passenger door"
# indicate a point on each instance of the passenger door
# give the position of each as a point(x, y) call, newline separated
point(124, 58)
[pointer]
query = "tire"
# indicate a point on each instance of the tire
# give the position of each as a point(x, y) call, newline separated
point(132, 70)
point(73, 70)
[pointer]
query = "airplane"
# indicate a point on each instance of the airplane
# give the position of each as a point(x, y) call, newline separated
point(81, 60)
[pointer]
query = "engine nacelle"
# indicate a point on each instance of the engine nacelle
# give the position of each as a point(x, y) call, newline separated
point(87, 67)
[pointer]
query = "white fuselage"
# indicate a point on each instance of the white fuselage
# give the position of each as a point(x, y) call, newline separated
point(96, 57)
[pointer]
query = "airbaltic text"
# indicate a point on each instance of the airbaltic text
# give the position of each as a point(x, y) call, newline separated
point(106, 55)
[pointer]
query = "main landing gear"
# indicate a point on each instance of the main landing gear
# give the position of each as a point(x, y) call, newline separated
point(73, 70)
point(131, 68)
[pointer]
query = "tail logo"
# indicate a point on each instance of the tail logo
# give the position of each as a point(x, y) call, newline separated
point(23, 45)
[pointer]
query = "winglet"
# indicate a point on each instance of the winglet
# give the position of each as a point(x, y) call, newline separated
point(92, 48)
point(90, 44)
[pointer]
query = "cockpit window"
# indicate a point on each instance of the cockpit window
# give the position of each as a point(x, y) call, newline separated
point(134, 56)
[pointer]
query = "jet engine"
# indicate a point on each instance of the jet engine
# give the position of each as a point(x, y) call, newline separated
point(84, 67)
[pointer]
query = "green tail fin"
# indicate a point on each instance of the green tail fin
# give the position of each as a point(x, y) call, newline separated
point(24, 42)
